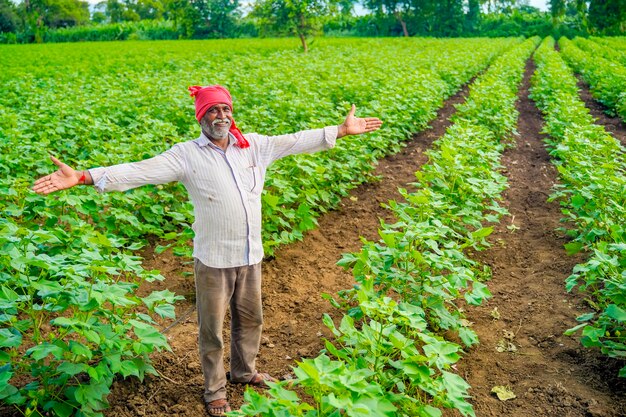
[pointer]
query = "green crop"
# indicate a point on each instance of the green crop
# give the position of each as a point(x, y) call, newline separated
point(592, 169)
point(389, 357)
point(69, 269)
point(607, 78)
point(597, 47)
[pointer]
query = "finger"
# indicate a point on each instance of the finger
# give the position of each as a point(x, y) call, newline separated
point(372, 128)
point(352, 111)
point(47, 180)
point(43, 188)
point(56, 161)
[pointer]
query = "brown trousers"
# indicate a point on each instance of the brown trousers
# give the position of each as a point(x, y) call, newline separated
point(216, 289)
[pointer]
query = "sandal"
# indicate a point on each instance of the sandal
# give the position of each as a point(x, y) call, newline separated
point(257, 380)
point(217, 408)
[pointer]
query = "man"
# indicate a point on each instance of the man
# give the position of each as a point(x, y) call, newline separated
point(223, 172)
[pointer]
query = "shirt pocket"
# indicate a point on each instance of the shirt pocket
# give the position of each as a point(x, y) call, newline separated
point(251, 179)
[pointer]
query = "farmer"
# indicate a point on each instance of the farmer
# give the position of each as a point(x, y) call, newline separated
point(223, 172)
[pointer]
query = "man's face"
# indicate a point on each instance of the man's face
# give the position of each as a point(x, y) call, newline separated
point(217, 121)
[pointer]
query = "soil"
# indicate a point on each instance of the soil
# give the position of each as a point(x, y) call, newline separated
point(550, 374)
point(612, 124)
point(293, 282)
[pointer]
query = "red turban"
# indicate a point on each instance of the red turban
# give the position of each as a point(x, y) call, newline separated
point(207, 97)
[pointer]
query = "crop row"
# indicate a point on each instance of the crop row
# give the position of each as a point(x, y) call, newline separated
point(606, 78)
point(592, 170)
point(71, 320)
point(597, 47)
point(617, 43)
point(129, 111)
point(389, 357)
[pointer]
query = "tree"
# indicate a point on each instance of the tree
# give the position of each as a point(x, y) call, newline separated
point(186, 18)
point(472, 18)
point(608, 16)
point(113, 10)
point(557, 10)
point(9, 19)
point(65, 13)
point(501, 6)
point(399, 9)
point(148, 9)
point(219, 17)
point(293, 17)
point(450, 17)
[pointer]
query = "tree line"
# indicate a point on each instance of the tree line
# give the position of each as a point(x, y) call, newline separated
point(49, 20)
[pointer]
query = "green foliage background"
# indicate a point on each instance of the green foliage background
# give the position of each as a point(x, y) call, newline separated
point(69, 267)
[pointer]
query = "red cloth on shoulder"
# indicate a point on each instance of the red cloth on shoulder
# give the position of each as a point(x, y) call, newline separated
point(207, 97)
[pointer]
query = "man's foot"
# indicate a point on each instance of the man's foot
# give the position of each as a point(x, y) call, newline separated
point(217, 408)
point(257, 380)
point(260, 379)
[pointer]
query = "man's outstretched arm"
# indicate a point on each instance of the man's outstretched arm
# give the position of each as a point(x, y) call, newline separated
point(63, 178)
point(161, 169)
point(308, 141)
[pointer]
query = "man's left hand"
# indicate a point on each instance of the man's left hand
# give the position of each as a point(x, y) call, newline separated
point(358, 125)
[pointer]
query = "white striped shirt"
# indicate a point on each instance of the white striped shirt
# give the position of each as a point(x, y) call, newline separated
point(224, 187)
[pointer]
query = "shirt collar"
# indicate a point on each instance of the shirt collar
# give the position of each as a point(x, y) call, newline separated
point(204, 141)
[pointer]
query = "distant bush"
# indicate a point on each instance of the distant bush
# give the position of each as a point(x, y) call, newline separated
point(142, 30)
point(8, 37)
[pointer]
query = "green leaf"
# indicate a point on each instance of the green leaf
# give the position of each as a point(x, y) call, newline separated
point(10, 338)
point(148, 334)
point(7, 390)
point(482, 233)
point(79, 349)
point(41, 351)
point(615, 312)
point(468, 336)
point(430, 411)
point(573, 248)
point(129, 367)
point(72, 369)
point(574, 329)
point(159, 249)
point(578, 201)
point(61, 409)
point(479, 293)
point(585, 317)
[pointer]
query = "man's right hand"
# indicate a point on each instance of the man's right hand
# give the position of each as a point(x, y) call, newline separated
point(64, 177)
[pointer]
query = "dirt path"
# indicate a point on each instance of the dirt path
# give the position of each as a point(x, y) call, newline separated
point(550, 374)
point(615, 125)
point(293, 282)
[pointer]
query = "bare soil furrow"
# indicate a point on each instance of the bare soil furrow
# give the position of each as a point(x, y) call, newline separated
point(551, 374)
point(614, 125)
point(293, 282)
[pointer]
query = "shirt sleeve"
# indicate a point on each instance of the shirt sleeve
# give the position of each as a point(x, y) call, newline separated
point(163, 168)
point(306, 141)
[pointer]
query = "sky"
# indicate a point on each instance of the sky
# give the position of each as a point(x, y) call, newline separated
point(540, 4)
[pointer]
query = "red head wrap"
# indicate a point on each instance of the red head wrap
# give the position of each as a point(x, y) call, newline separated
point(207, 97)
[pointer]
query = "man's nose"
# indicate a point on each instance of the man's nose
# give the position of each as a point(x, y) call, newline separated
point(221, 113)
